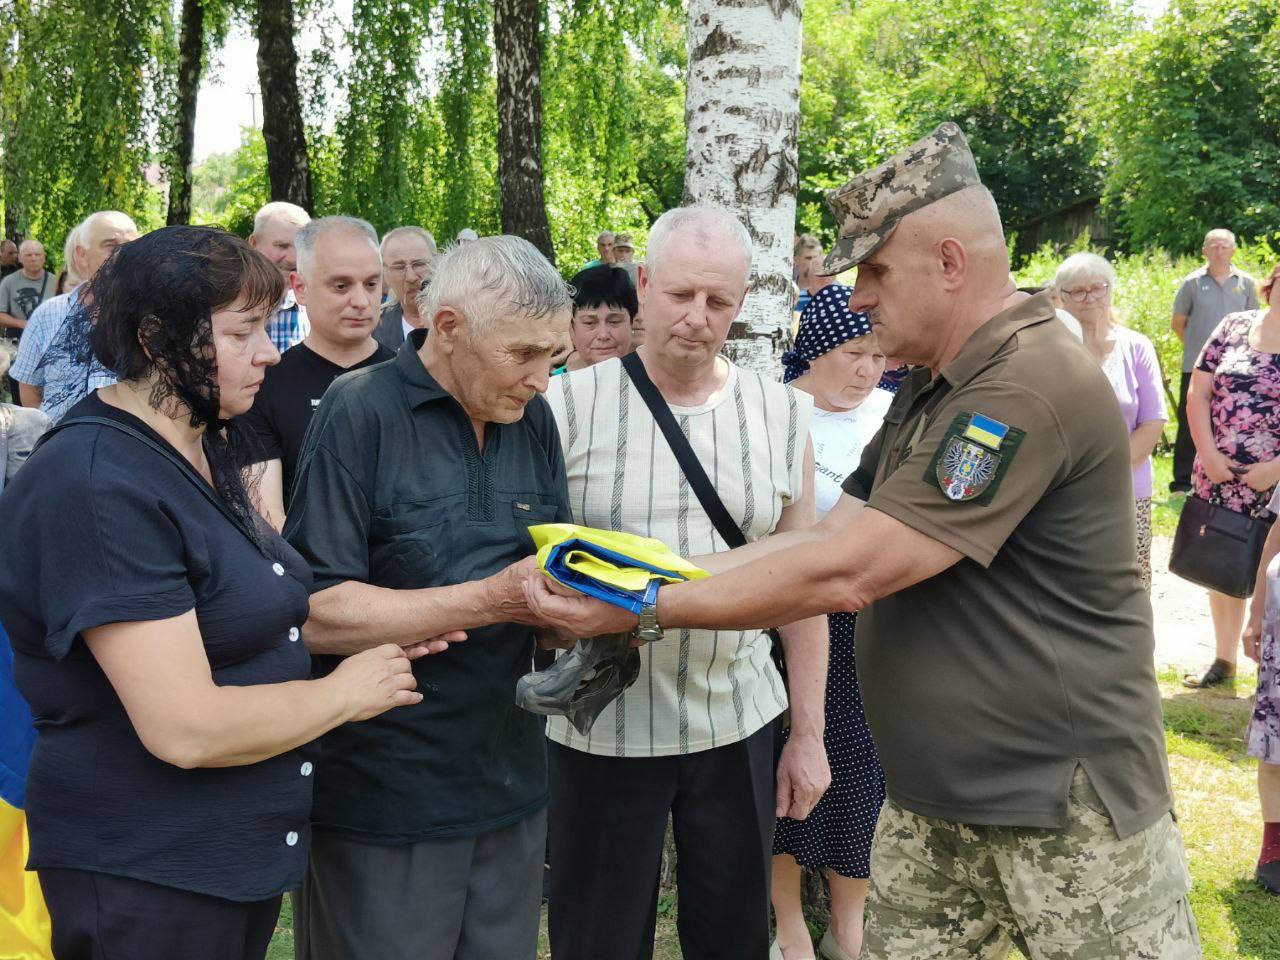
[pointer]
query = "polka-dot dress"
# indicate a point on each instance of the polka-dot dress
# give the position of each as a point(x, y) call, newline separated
point(837, 834)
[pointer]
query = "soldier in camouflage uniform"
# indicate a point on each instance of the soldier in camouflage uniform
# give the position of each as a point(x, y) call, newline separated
point(1004, 642)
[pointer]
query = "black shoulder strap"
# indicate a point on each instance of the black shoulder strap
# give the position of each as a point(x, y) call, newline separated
point(184, 467)
point(679, 444)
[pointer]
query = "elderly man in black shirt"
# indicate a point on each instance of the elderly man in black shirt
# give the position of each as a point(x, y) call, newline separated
point(416, 486)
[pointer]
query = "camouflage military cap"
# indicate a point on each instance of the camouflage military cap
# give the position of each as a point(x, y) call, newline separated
point(869, 207)
point(623, 241)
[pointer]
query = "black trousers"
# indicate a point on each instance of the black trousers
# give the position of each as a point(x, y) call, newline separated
point(608, 817)
point(97, 916)
point(1184, 448)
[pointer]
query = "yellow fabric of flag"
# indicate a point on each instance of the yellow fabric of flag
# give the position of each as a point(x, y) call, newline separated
point(622, 560)
point(24, 920)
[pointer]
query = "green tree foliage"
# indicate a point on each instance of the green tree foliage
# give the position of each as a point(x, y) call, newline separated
point(613, 87)
point(228, 188)
point(880, 73)
point(1061, 99)
point(84, 93)
point(416, 141)
point(1189, 112)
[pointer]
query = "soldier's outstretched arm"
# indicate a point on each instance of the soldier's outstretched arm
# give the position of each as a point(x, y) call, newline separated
point(794, 528)
point(872, 557)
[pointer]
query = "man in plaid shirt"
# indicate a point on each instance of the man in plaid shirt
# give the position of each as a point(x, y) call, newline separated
point(274, 227)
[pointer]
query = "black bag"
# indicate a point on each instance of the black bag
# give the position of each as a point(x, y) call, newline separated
point(1218, 548)
point(699, 482)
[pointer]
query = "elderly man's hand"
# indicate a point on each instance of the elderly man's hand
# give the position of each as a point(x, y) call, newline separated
point(803, 776)
point(505, 596)
point(434, 644)
point(574, 614)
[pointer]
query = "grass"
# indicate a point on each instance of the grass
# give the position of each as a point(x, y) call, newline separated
point(1215, 790)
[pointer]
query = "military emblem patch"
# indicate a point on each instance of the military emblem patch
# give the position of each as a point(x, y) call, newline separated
point(965, 469)
point(973, 457)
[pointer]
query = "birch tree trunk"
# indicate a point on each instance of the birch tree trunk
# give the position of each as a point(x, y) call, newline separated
point(517, 43)
point(742, 118)
point(288, 168)
point(190, 62)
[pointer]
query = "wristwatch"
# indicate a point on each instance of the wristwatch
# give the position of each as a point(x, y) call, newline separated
point(647, 629)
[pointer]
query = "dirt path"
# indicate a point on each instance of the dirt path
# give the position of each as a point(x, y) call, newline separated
point(1184, 632)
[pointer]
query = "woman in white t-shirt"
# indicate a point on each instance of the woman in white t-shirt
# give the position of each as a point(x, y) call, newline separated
point(839, 363)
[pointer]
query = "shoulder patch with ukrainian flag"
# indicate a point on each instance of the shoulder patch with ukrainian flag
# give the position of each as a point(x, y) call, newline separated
point(972, 459)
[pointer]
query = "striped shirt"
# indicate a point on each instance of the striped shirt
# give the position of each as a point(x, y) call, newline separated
point(289, 325)
point(697, 689)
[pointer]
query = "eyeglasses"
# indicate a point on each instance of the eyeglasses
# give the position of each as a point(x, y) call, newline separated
point(418, 266)
point(1096, 292)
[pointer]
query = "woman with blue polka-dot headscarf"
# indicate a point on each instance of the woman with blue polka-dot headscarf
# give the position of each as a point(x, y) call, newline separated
point(836, 360)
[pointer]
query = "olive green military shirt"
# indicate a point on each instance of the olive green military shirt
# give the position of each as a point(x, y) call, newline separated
point(987, 685)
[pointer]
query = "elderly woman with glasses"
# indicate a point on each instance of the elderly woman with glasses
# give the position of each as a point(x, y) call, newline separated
point(1085, 283)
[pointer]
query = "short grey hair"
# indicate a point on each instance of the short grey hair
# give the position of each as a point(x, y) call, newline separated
point(407, 231)
point(85, 227)
point(487, 278)
point(711, 223)
point(1219, 233)
point(1084, 266)
point(281, 209)
point(308, 234)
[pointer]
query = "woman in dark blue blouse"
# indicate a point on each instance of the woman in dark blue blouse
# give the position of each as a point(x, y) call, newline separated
point(156, 627)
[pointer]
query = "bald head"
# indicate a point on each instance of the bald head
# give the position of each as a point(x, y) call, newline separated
point(274, 227)
point(969, 221)
point(712, 231)
point(941, 274)
point(97, 238)
point(1219, 250)
point(31, 256)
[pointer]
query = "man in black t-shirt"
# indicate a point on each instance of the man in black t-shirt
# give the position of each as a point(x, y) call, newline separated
point(339, 280)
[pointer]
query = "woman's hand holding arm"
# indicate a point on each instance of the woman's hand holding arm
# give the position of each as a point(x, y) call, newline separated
point(161, 673)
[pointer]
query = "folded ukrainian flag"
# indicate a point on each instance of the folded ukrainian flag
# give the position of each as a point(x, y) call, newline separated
point(618, 568)
point(24, 920)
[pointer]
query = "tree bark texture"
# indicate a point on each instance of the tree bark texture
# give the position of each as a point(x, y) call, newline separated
point(287, 166)
point(517, 44)
point(742, 116)
point(190, 63)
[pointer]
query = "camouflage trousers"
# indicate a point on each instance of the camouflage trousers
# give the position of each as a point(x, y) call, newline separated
point(950, 891)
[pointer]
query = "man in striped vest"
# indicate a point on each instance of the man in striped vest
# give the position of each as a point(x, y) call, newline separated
point(697, 735)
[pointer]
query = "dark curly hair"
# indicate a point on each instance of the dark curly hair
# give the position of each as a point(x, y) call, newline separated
point(148, 315)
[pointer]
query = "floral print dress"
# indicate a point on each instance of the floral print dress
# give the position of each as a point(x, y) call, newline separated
point(1263, 739)
point(1244, 411)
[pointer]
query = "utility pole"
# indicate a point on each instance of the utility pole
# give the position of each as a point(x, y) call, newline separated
point(253, 100)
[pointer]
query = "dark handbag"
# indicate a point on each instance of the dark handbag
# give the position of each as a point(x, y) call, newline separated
point(693, 472)
point(1218, 548)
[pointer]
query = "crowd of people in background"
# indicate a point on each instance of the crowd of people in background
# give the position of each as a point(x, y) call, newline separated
point(325, 426)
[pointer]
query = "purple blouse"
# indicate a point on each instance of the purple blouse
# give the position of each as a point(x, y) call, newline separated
point(1134, 372)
